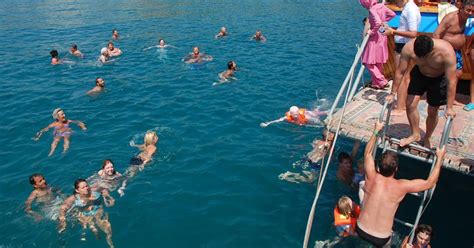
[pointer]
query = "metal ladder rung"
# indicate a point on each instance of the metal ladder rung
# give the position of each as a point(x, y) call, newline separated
point(405, 153)
point(415, 146)
point(404, 223)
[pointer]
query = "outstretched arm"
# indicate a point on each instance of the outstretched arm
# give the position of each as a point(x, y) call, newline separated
point(369, 164)
point(80, 124)
point(418, 185)
point(40, 132)
point(265, 124)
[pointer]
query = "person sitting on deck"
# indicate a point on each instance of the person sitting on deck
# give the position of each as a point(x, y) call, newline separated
point(410, 19)
point(434, 73)
point(299, 116)
point(451, 29)
point(423, 235)
point(346, 213)
point(383, 193)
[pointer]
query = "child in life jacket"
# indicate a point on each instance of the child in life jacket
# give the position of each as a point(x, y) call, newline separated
point(346, 213)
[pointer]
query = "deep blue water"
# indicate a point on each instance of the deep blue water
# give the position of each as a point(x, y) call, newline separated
point(214, 181)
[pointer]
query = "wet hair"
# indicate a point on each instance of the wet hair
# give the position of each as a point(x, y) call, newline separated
point(364, 20)
point(76, 184)
point(423, 46)
point(424, 229)
point(161, 40)
point(149, 136)
point(110, 42)
point(343, 156)
point(113, 30)
point(74, 46)
point(97, 80)
point(230, 64)
point(467, 2)
point(54, 53)
point(33, 176)
point(388, 164)
point(344, 205)
point(109, 161)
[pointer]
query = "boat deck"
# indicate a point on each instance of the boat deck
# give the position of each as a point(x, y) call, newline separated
point(361, 114)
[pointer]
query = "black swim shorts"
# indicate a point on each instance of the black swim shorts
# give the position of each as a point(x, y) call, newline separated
point(399, 47)
point(436, 88)
point(377, 242)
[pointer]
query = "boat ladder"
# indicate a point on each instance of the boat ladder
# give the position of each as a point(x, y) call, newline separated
point(426, 195)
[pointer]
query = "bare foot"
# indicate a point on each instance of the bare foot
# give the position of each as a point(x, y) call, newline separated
point(427, 143)
point(456, 103)
point(398, 112)
point(410, 139)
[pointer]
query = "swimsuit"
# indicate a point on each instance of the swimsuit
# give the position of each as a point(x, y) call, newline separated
point(66, 131)
point(435, 88)
point(90, 208)
point(377, 242)
point(136, 161)
point(459, 63)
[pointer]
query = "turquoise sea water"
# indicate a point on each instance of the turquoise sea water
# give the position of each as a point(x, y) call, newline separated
point(214, 181)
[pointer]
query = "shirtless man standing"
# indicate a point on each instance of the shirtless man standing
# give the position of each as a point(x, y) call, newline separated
point(434, 73)
point(451, 29)
point(383, 193)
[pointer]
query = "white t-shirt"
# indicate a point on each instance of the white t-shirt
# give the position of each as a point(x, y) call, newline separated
point(409, 20)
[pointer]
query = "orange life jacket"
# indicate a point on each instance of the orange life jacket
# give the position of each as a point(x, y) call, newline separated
point(341, 221)
point(301, 120)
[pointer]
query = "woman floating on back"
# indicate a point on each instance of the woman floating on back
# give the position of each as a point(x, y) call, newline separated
point(62, 130)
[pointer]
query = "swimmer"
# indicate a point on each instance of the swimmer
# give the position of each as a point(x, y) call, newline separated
point(259, 36)
point(104, 55)
point(137, 163)
point(197, 57)
point(74, 51)
point(423, 235)
point(90, 210)
point(346, 213)
point(106, 178)
point(115, 34)
point(61, 130)
point(112, 50)
point(42, 194)
point(161, 44)
point(299, 117)
point(221, 33)
point(229, 73)
point(55, 57)
point(99, 86)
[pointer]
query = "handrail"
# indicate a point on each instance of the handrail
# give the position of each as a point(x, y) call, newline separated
point(346, 80)
point(428, 194)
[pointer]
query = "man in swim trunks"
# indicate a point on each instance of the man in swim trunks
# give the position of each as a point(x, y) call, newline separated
point(435, 74)
point(383, 193)
point(451, 29)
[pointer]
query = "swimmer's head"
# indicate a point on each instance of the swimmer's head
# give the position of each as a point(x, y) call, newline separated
point(58, 114)
point(196, 50)
point(423, 234)
point(114, 31)
point(223, 30)
point(467, 8)
point(38, 181)
point(110, 46)
point(162, 42)
point(294, 111)
point(73, 47)
point(150, 138)
point(100, 82)
point(423, 46)
point(54, 53)
point(388, 164)
point(344, 159)
point(103, 51)
point(345, 206)
point(81, 187)
point(231, 65)
point(258, 33)
point(108, 167)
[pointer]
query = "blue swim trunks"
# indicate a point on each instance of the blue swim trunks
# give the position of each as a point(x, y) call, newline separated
point(313, 165)
point(459, 63)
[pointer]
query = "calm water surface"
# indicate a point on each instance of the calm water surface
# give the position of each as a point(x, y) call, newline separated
point(214, 181)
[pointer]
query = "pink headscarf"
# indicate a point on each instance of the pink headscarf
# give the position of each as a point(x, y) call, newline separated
point(367, 3)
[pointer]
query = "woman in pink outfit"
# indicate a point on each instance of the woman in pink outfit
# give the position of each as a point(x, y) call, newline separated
point(376, 51)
